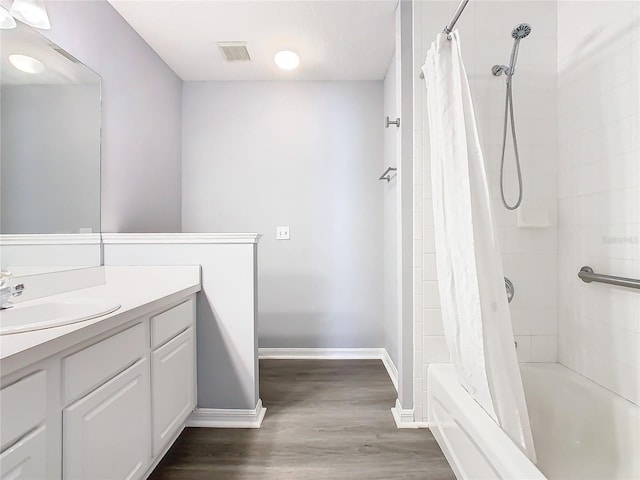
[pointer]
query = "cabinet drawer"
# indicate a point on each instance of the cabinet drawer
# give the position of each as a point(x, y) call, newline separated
point(85, 370)
point(168, 324)
point(27, 459)
point(172, 387)
point(24, 407)
point(106, 433)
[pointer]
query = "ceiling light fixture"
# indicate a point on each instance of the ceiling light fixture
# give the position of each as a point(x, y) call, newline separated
point(31, 12)
point(287, 60)
point(7, 22)
point(26, 64)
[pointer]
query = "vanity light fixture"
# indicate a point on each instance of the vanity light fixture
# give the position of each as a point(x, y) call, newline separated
point(7, 22)
point(26, 64)
point(287, 60)
point(31, 12)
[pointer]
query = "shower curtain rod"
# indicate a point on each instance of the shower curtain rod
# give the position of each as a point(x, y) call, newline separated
point(449, 28)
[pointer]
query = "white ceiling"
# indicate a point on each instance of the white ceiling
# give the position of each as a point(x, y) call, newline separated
point(336, 40)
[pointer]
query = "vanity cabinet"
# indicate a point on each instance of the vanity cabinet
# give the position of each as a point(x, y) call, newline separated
point(107, 408)
point(105, 434)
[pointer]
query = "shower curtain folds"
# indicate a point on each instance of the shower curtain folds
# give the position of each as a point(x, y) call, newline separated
point(474, 306)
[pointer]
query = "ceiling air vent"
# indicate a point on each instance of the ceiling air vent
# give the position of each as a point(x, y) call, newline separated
point(234, 51)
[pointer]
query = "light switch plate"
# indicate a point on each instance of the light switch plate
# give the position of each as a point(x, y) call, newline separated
point(282, 233)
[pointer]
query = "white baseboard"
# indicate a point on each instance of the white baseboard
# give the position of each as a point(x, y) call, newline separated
point(391, 368)
point(334, 354)
point(227, 418)
point(403, 417)
point(321, 353)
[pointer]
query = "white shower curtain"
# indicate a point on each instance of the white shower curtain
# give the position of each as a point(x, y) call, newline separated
point(476, 317)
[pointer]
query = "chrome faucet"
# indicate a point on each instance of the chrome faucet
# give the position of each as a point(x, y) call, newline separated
point(7, 290)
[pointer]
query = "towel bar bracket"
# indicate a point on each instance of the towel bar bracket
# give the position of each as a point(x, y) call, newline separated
point(388, 122)
point(387, 174)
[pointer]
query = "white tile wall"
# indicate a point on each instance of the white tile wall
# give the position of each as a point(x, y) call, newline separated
point(598, 186)
point(529, 256)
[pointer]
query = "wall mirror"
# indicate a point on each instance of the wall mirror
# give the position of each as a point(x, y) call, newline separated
point(49, 156)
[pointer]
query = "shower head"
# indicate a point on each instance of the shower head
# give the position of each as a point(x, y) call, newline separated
point(520, 31)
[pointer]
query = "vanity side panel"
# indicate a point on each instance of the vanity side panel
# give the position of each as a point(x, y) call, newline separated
point(227, 355)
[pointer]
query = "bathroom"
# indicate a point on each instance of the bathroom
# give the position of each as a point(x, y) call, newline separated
point(339, 267)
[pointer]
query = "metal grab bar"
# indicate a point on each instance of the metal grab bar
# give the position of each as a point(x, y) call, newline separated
point(387, 174)
point(587, 276)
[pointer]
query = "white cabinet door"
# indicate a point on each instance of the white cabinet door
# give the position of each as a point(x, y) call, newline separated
point(23, 406)
point(106, 433)
point(27, 459)
point(172, 387)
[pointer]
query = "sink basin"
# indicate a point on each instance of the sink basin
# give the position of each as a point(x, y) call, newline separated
point(40, 314)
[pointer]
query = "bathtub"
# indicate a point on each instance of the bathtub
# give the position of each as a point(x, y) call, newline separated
point(580, 430)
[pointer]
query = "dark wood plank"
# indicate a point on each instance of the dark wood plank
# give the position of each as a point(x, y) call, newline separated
point(325, 420)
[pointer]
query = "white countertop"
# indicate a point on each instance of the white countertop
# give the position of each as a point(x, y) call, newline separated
point(138, 290)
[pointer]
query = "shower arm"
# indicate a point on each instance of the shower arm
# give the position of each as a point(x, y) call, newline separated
point(510, 69)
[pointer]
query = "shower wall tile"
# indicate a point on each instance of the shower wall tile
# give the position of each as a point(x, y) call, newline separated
point(417, 394)
point(432, 319)
point(532, 241)
point(417, 197)
point(544, 348)
point(523, 348)
point(599, 190)
point(520, 321)
point(544, 321)
point(429, 269)
point(436, 347)
point(417, 252)
point(417, 359)
point(417, 275)
point(427, 214)
point(419, 311)
point(418, 333)
point(430, 295)
point(428, 240)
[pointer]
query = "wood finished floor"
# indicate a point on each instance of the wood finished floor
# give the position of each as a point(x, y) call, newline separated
point(326, 419)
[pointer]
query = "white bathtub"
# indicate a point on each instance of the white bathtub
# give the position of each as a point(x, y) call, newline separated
point(580, 430)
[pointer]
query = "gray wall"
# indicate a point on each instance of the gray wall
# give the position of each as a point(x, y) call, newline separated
point(50, 158)
point(390, 191)
point(141, 105)
point(307, 155)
